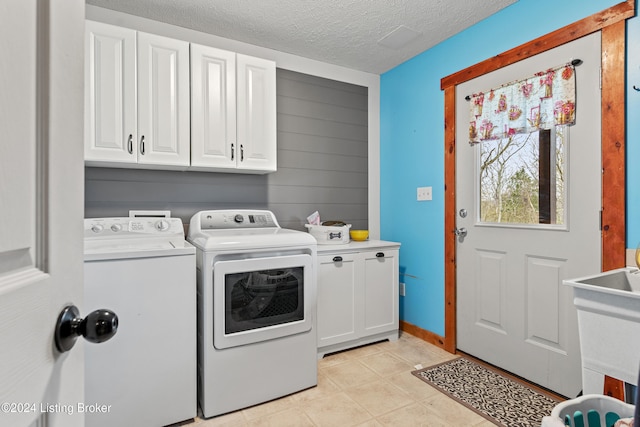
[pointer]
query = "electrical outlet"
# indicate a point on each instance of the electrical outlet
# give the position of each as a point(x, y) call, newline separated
point(402, 289)
point(424, 193)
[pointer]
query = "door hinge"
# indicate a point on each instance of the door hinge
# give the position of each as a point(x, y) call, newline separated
point(600, 77)
point(600, 220)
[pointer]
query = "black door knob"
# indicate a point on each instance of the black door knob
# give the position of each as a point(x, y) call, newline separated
point(99, 326)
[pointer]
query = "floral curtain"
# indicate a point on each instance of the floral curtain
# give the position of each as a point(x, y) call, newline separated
point(540, 102)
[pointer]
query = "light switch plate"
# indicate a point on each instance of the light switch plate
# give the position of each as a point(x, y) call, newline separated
point(424, 193)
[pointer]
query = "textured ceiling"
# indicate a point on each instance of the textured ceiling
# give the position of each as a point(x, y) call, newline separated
point(341, 32)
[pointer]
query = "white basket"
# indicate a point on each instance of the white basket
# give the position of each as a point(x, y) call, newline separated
point(596, 410)
point(330, 234)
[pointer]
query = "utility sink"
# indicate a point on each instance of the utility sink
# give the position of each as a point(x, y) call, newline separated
point(623, 282)
point(608, 306)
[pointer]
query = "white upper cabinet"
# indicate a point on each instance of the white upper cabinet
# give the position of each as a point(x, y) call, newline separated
point(111, 126)
point(233, 112)
point(142, 111)
point(163, 101)
point(136, 99)
point(256, 100)
point(213, 107)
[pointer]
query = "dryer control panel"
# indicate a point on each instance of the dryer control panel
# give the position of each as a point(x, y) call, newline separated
point(236, 219)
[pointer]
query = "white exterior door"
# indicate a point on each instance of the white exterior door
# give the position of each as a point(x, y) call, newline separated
point(163, 101)
point(213, 107)
point(512, 309)
point(256, 113)
point(41, 208)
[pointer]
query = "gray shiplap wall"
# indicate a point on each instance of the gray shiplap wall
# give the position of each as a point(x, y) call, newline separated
point(322, 165)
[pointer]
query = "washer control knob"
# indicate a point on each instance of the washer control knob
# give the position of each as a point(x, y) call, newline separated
point(97, 228)
point(162, 225)
point(116, 227)
point(238, 218)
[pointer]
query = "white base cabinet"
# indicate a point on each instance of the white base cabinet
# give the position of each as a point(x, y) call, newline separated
point(357, 301)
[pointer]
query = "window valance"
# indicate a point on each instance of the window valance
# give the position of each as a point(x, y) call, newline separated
point(542, 101)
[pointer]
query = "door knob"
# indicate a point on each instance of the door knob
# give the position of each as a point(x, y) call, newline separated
point(460, 232)
point(99, 326)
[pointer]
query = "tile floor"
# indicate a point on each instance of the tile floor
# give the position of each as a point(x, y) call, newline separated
point(366, 386)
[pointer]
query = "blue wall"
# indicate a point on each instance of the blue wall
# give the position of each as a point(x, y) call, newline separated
point(412, 140)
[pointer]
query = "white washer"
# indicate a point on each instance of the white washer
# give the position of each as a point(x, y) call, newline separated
point(256, 309)
point(144, 271)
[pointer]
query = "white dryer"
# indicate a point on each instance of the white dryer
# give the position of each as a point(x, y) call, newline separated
point(256, 309)
point(143, 270)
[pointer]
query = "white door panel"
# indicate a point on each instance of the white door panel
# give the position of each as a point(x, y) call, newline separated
point(41, 210)
point(512, 309)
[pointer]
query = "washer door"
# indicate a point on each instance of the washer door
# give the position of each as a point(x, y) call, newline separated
point(260, 299)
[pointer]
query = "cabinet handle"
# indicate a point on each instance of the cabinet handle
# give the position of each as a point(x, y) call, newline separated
point(241, 153)
point(130, 144)
point(233, 151)
point(142, 145)
point(337, 259)
point(380, 255)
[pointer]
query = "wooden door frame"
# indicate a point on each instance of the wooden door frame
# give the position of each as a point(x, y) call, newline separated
point(611, 23)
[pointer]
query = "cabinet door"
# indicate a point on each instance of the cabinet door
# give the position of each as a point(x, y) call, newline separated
point(380, 291)
point(337, 299)
point(256, 91)
point(110, 94)
point(213, 108)
point(163, 101)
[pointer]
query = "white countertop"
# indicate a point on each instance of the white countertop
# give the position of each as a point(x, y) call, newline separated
point(354, 246)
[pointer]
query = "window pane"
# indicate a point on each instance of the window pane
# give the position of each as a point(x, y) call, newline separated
point(522, 179)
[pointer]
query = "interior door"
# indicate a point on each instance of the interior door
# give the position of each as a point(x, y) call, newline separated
point(41, 210)
point(512, 309)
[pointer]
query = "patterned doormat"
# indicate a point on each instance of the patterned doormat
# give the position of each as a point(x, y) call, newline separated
point(499, 399)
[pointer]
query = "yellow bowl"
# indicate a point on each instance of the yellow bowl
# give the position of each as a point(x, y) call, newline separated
point(359, 235)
